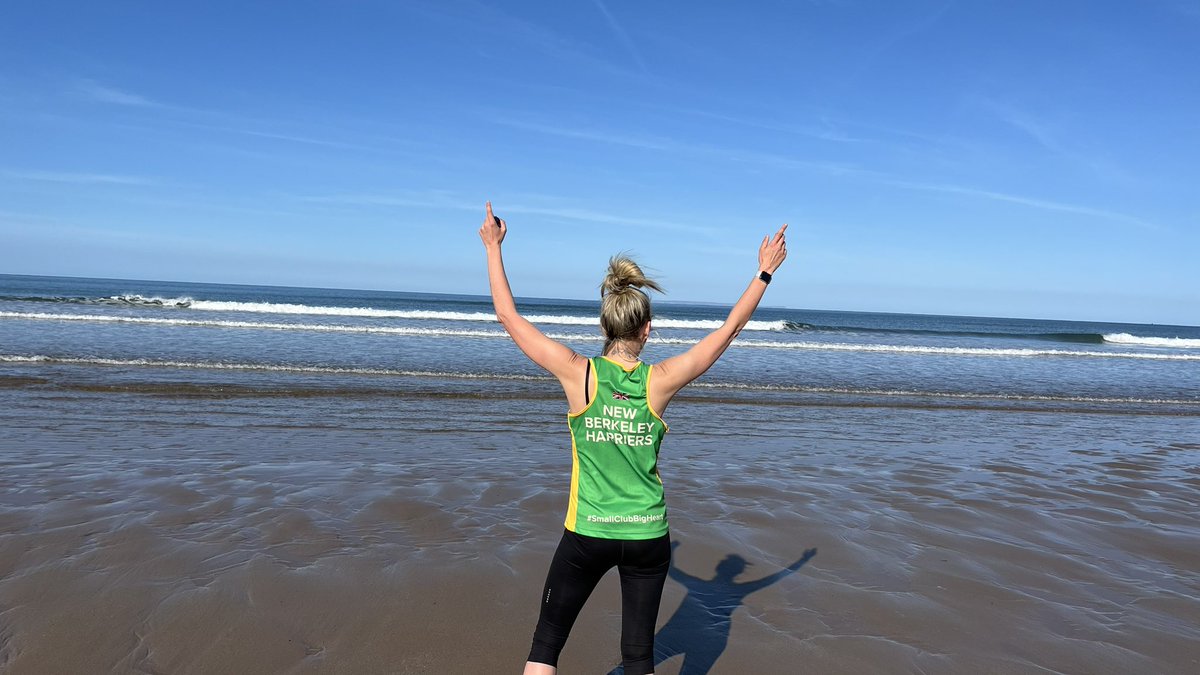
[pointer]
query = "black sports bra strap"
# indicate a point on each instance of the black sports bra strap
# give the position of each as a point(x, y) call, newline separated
point(587, 373)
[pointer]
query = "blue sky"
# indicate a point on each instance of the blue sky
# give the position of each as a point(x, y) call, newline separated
point(1034, 159)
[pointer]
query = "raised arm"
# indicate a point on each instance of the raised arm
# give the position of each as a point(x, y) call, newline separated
point(752, 586)
point(558, 359)
point(674, 373)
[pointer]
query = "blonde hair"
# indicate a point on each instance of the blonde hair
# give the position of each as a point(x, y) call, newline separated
point(623, 308)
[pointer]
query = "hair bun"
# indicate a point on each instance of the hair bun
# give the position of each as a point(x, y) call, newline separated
point(624, 273)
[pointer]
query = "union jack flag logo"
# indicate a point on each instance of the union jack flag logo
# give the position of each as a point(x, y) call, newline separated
point(618, 396)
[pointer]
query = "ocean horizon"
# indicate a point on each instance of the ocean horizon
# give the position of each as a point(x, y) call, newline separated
point(266, 336)
point(656, 299)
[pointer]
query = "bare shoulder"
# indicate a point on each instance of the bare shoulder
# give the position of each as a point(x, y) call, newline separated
point(664, 383)
point(666, 372)
point(660, 373)
point(574, 365)
point(573, 380)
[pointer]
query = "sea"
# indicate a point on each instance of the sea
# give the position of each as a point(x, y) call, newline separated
point(221, 478)
point(173, 336)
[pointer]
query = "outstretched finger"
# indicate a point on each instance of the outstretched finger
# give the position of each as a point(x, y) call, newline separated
point(490, 215)
point(779, 234)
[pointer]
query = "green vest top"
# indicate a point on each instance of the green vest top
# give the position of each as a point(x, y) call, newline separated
point(615, 489)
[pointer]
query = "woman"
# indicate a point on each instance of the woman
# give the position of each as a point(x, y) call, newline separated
point(616, 514)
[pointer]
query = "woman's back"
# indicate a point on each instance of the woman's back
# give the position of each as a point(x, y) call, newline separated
point(616, 491)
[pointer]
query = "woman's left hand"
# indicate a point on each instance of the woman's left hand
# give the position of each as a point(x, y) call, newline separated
point(493, 229)
point(772, 251)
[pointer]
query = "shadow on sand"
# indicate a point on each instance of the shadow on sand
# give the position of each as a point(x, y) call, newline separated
point(699, 630)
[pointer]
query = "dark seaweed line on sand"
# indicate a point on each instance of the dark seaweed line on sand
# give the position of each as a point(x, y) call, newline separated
point(544, 390)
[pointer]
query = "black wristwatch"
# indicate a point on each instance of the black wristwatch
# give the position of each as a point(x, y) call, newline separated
point(764, 276)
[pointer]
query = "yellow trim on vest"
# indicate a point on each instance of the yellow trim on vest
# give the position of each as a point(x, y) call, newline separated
point(573, 500)
point(593, 385)
point(621, 365)
point(649, 374)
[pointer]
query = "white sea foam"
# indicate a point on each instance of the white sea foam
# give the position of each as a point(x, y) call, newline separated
point(369, 312)
point(1176, 343)
point(948, 351)
point(264, 325)
point(143, 301)
point(413, 314)
point(474, 333)
point(209, 365)
point(957, 351)
point(937, 394)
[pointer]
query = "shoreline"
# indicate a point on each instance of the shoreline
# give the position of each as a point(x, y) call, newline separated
point(233, 383)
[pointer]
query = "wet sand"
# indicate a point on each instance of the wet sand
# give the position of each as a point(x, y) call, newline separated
point(155, 534)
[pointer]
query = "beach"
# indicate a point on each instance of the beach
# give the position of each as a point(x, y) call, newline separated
point(215, 479)
point(919, 370)
point(234, 532)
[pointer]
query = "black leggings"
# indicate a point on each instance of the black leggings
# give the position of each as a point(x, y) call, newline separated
point(578, 564)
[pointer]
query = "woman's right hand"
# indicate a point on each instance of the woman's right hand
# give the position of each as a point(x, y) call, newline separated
point(493, 229)
point(772, 251)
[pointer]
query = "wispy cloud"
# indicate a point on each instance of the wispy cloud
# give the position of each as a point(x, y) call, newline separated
point(663, 144)
point(824, 132)
point(78, 178)
point(1049, 139)
point(15, 216)
point(622, 35)
point(1188, 8)
point(42, 227)
point(1028, 201)
point(441, 199)
point(293, 138)
point(658, 143)
point(488, 19)
point(165, 113)
point(599, 136)
point(105, 94)
point(1035, 129)
point(899, 33)
point(431, 199)
point(586, 215)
